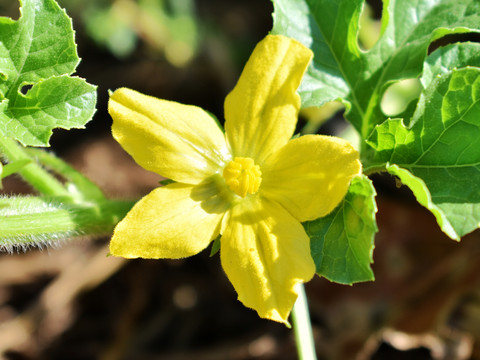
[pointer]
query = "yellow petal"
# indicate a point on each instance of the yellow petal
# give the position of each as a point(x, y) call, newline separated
point(310, 175)
point(179, 142)
point(265, 252)
point(261, 111)
point(174, 221)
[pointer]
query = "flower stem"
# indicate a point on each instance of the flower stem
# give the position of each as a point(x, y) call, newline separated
point(303, 327)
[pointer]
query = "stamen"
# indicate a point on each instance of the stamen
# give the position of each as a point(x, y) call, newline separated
point(242, 176)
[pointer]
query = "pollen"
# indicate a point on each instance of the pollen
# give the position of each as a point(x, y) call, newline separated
point(242, 176)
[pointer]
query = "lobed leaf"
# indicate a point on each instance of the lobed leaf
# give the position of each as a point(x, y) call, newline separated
point(342, 242)
point(39, 50)
point(434, 150)
point(341, 70)
point(445, 59)
point(438, 153)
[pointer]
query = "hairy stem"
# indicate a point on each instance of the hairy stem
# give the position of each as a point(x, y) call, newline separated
point(40, 221)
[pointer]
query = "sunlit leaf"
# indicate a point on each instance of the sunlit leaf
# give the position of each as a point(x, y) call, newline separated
point(37, 94)
point(340, 70)
point(438, 153)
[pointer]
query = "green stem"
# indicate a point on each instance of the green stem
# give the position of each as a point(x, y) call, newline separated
point(85, 189)
point(39, 221)
point(302, 327)
point(33, 173)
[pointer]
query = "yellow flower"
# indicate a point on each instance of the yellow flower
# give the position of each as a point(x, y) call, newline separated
point(253, 186)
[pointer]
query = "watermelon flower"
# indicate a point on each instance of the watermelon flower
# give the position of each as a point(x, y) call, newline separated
point(253, 185)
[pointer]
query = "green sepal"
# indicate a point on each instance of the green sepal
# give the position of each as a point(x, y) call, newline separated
point(342, 242)
point(215, 246)
point(166, 182)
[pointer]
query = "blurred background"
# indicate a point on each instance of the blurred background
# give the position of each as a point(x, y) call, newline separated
point(73, 302)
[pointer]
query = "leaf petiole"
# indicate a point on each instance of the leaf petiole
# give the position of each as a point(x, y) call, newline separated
point(83, 190)
point(39, 178)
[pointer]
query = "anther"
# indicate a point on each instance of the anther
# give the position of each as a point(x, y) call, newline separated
point(242, 176)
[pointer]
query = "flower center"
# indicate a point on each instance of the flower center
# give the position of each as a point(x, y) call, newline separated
point(242, 176)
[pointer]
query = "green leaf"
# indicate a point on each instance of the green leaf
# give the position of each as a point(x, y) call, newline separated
point(445, 59)
point(341, 70)
point(39, 50)
point(342, 242)
point(438, 153)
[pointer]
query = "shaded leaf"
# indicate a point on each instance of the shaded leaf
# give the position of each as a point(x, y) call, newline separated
point(342, 242)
